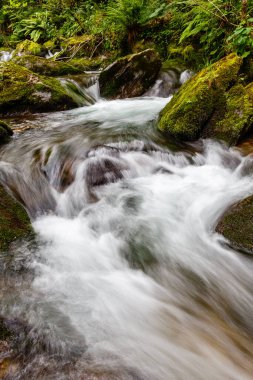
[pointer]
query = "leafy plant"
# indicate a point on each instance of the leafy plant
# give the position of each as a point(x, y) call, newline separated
point(130, 16)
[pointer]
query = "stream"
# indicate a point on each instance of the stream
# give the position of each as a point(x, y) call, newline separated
point(127, 278)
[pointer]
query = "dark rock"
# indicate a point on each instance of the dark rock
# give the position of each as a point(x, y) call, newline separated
point(130, 76)
point(5, 132)
point(14, 221)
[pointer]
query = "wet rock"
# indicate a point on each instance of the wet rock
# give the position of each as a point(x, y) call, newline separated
point(236, 225)
point(53, 68)
point(21, 90)
point(14, 221)
point(211, 104)
point(5, 132)
point(130, 76)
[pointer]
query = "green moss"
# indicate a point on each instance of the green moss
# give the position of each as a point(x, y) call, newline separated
point(192, 107)
point(14, 221)
point(238, 117)
point(237, 225)
point(27, 47)
point(22, 90)
point(50, 45)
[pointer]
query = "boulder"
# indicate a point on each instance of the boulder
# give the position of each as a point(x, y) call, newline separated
point(22, 90)
point(213, 103)
point(14, 221)
point(236, 225)
point(5, 132)
point(130, 76)
point(53, 68)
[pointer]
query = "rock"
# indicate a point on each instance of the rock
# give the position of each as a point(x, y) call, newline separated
point(14, 221)
point(236, 225)
point(5, 132)
point(22, 90)
point(28, 47)
point(238, 117)
point(53, 68)
point(130, 76)
point(199, 107)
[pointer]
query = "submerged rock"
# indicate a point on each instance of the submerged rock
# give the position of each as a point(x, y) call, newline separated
point(56, 68)
point(211, 104)
point(236, 225)
point(130, 76)
point(5, 132)
point(14, 221)
point(22, 90)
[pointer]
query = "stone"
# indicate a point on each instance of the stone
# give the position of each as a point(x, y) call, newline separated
point(130, 76)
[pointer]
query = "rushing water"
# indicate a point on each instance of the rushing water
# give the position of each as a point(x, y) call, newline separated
point(127, 279)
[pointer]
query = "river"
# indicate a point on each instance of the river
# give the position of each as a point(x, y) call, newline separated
point(127, 279)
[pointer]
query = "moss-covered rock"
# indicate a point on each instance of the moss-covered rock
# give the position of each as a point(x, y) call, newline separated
point(5, 132)
point(22, 90)
point(14, 221)
point(130, 76)
point(237, 225)
point(56, 68)
point(199, 99)
point(237, 119)
point(27, 47)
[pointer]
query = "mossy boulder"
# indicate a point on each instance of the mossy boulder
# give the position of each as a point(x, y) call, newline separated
point(14, 221)
point(5, 132)
point(53, 68)
point(233, 122)
point(236, 225)
point(22, 90)
point(28, 47)
point(130, 76)
point(215, 103)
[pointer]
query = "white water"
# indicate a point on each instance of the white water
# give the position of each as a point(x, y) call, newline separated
point(137, 270)
point(5, 56)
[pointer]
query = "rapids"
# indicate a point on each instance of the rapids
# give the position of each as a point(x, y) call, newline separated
point(127, 278)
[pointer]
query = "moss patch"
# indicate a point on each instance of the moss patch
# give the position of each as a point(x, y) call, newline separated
point(14, 221)
point(27, 47)
point(192, 107)
point(238, 117)
point(237, 225)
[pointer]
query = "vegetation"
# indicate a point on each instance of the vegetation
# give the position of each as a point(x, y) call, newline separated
point(196, 31)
